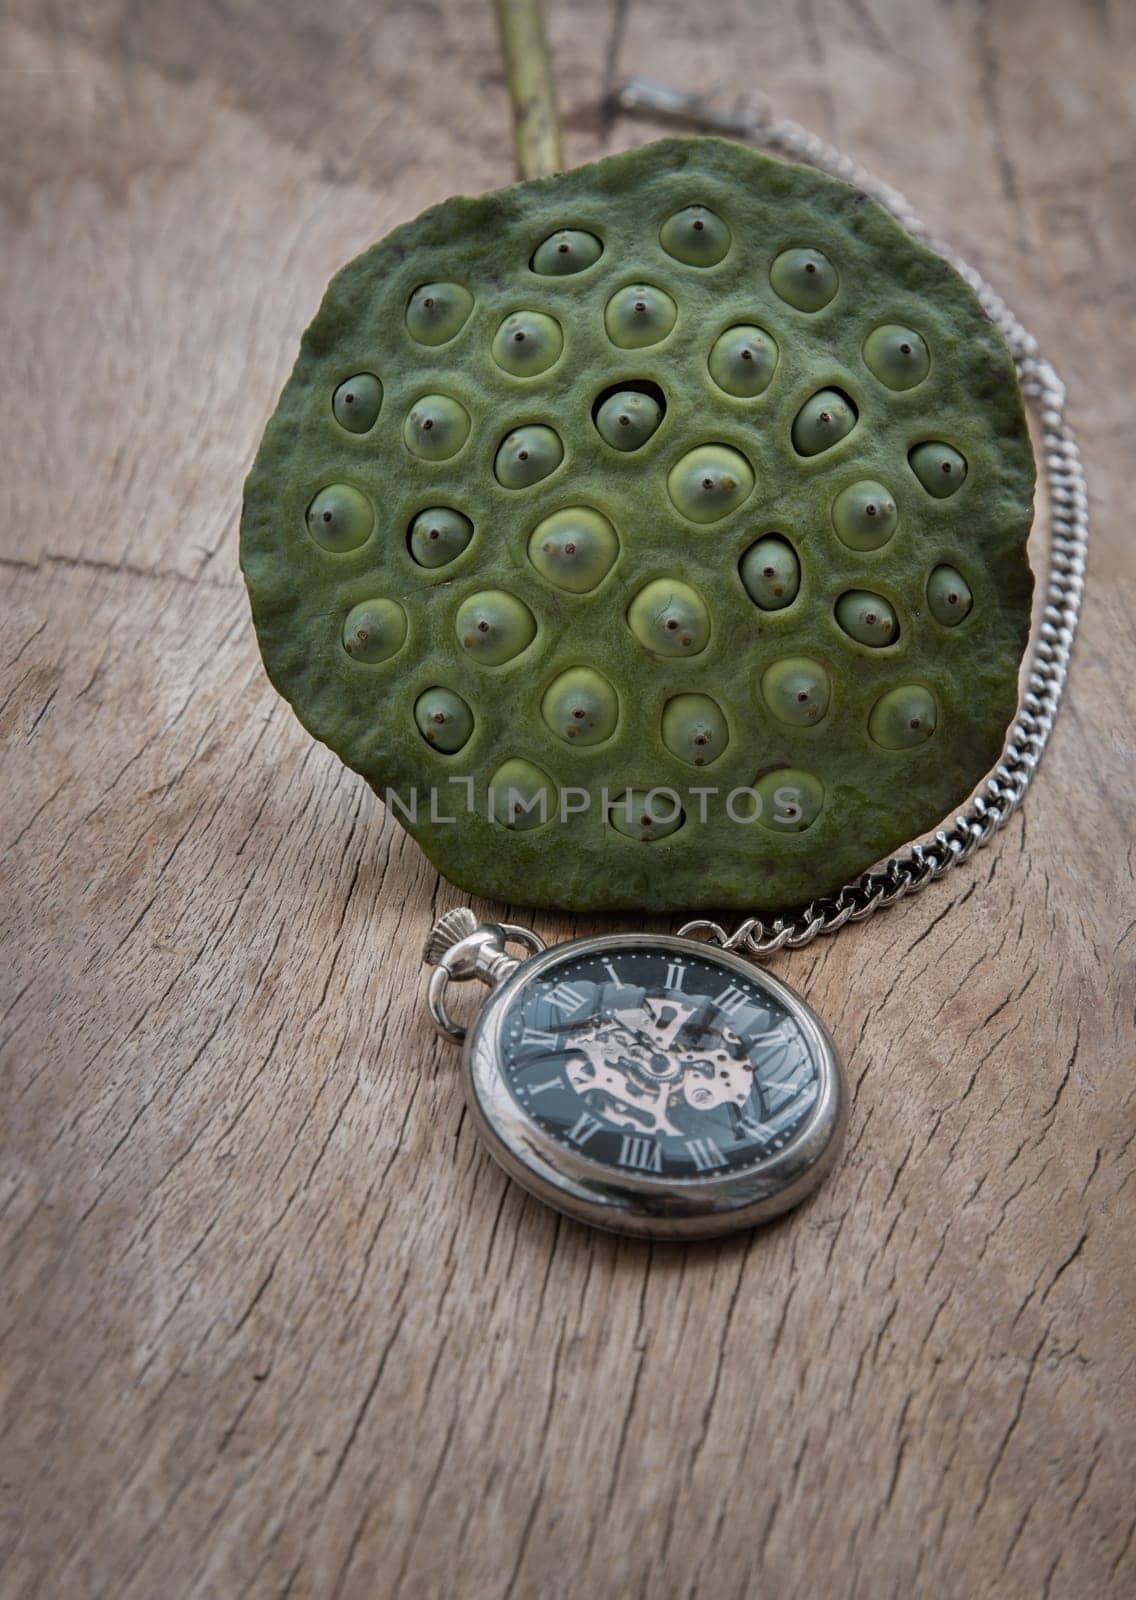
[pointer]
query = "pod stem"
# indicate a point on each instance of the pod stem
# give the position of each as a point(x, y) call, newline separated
point(528, 71)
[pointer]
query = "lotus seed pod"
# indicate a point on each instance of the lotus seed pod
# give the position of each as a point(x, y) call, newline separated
point(669, 618)
point(437, 312)
point(374, 630)
point(355, 404)
point(709, 482)
point(628, 419)
point(948, 596)
point(581, 706)
point(822, 422)
point(791, 800)
point(494, 626)
point(444, 720)
point(522, 795)
point(574, 549)
point(939, 469)
point(743, 360)
point(528, 343)
point(804, 278)
point(695, 236)
point(527, 455)
point(646, 814)
point(864, 515)
point(639, 316)
point(694, 729)
point(796, 690)
point(897, 356)
point(340, 518)
point(903, 718)
point(771, 573)
point(566, 252)
point(436, 427)
point(438, 536)
point(868, 618)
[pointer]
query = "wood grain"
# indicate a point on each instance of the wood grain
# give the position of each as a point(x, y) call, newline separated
point(272, 1324)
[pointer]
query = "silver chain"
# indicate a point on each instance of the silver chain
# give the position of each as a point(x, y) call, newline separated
point(1003, 789)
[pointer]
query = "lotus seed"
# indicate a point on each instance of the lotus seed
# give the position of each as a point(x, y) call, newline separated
point(805, 278)
point(438, 536)
point(709, 482)
point(896, 356)
point(791, 800)
point(639, 316)
point(823, 421)
point(669, 618)
point(374, 630)
point(939, 469)
point(695, 236)
point(694, 729)
point(868, 618)
point(566, 252)
point(743, 360)
point(521, 795)
point(796, 690)
point(948, 596)
point(436, 428)
point(355, 404)
point(903, 718)
point(438, 311)
point(528, 343)
point(574, 549)
point(645, 814)
point(444, 720)
point(628, 419)
point(771, 573)
point(527, 455)
point(581, 706)
point(494, 626)
point(340, 518)
point(864, 515)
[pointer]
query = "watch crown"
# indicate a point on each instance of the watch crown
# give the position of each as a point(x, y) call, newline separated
point(449, 930)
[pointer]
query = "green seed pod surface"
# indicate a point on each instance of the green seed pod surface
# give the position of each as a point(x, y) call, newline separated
point(438, 536)
point(581, 707)
point(743, 361)
point(669, 618)
point(822, 422)
point(903, 718)
point(437, 312)
point(639, 316)
point(374, 630)
point(340, 518)
point(867, 618)
point(528, 343)
point(791, 800)
point(948, 596)
point(694, 729)
point(566, 252)
point(628, 419)
point(897, 356)
point(443, 719)
point(436, 427)
point(527, 455)
point(357, 401)
point(695, 236)
point(864, 515)
point(796, 690)
point(522, 796)
point(940, 469)
point(645, 814)
point(771, 573)
point(708, 483)
point(494, 626)
point(581, 571)
point(805, 279)
point(574, 549)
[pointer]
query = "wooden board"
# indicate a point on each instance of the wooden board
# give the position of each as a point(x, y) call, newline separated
point(272, 1324)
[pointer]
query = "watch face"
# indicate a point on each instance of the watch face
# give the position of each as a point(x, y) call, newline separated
point(659, 1062)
